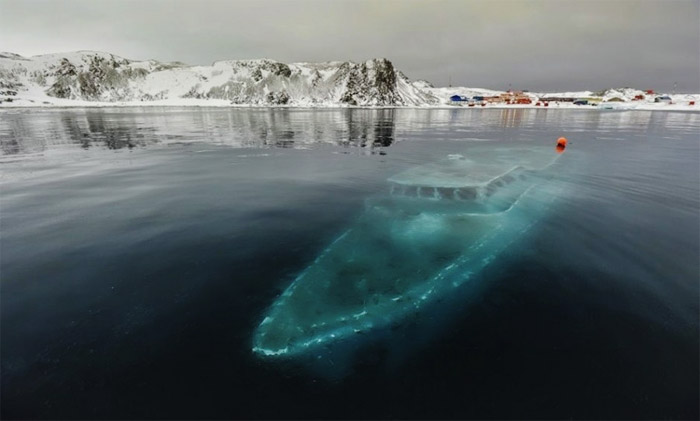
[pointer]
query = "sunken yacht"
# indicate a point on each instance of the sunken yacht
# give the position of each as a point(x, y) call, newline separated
point(438, 225)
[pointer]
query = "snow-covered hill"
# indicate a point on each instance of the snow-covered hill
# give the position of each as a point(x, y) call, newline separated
point(103, 77)
point(91, 78)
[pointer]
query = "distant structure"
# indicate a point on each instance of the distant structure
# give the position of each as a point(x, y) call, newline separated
point(557, 98)
point(510, 97)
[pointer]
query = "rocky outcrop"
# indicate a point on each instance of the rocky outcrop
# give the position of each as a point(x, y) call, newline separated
point(372, 83)
point(104, 77)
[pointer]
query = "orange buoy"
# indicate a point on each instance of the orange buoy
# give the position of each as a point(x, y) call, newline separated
point(561, 144)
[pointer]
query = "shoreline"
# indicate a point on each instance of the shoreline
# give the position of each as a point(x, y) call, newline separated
point(98, 105)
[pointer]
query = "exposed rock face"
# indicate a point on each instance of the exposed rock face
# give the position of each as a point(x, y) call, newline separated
point(277, 98)
point(372, 82)
point(65, 78)
point(95, 76)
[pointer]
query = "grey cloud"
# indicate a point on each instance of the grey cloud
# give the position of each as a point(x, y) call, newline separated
point(538, 44)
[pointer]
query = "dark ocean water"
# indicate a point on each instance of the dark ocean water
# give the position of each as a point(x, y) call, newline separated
point(140, 249)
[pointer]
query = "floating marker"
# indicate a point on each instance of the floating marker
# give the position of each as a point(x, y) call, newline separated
point(561, 144)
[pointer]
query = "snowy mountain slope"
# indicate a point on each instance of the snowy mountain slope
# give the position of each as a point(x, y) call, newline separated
point(92, 78)
point(444, 93)
point(103, 77)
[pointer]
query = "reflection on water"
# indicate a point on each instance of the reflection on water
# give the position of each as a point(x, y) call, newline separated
point(31, 131)
point(36, 131)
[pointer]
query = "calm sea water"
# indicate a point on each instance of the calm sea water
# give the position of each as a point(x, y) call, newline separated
point(140, 249)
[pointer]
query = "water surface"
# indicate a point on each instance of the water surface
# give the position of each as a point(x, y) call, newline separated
point(141, 247)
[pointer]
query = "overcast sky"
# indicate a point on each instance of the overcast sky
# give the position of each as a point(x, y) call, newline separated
point(537, 45)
